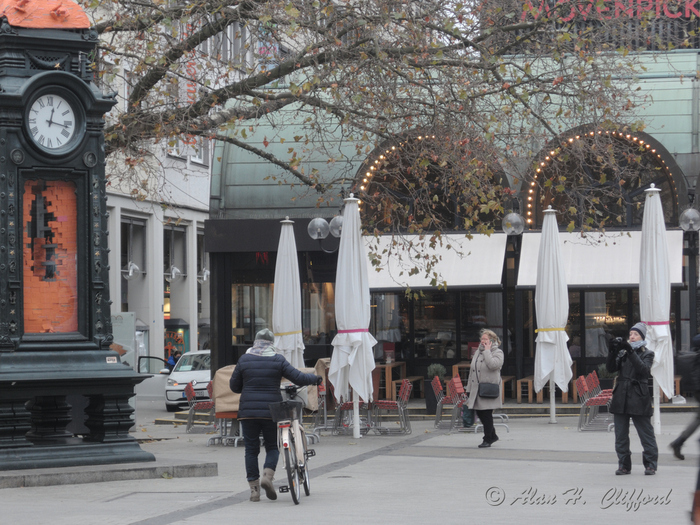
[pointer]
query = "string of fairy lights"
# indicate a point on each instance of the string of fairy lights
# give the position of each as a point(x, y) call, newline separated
point(541, 166)
point(552, 157)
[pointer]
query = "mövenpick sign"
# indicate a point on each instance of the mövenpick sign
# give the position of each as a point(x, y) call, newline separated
point(567, 10)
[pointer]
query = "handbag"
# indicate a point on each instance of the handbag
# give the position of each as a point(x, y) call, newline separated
point(488, 390)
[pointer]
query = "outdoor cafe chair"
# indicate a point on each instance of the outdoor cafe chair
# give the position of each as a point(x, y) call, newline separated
point(400, 407)
point(443, 401)
point(590, 417)
point(458, 392)
point(459, 396)
point(343, 421)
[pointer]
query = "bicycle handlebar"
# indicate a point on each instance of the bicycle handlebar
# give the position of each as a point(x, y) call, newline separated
point(291, 390)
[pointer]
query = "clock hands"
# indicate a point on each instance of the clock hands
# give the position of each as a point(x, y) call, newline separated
point(50, 121)
point(57, 123)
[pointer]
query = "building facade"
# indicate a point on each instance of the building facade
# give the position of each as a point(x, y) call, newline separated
point(439, 325)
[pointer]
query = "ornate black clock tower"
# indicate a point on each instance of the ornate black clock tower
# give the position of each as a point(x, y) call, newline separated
point(55, 329)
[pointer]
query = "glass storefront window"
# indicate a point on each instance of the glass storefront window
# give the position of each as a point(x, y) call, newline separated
point(573, 325)
point(479, 310)
point(318, 313)
point(251, 305)
point(435, 325)
point(389, 324)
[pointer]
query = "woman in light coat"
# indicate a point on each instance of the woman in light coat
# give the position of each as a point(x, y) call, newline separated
point(486, 368)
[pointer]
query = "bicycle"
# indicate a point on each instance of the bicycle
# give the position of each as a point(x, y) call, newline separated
point(291, 439)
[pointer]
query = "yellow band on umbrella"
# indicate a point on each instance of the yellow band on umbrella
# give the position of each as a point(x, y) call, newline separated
point(289, 333)
point(550, 330)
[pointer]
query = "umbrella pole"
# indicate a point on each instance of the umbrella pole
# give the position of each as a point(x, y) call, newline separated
point(657, 409)
point(552, 405)
point(355, 415)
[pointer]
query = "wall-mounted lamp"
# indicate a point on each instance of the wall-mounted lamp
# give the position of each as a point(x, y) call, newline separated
point(174, 275)
point(203, 276)
point(131, 271)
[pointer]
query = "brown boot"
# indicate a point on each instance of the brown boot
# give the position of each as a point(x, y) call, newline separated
point(266, 483)
point(695, 513)
point(254, 490)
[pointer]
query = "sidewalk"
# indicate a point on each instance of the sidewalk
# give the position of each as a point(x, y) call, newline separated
point(536, 472)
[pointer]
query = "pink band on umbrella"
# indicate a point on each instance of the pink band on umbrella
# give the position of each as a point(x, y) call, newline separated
point(353, 331)
point(652, 323)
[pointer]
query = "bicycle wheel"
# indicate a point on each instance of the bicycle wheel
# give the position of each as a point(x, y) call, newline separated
point(304, 469)
point(290, 460)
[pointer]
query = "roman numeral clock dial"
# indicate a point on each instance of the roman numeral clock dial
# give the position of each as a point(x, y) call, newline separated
point(52, 122)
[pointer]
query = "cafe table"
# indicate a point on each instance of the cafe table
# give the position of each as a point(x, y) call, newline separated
point(388, 369)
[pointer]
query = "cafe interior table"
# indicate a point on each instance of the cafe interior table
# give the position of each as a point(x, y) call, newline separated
point(388, 369)
point(459, 367)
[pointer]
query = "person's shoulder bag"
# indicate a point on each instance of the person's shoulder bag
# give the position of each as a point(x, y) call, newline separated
point(487, 390)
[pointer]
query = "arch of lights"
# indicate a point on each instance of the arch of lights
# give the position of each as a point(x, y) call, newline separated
point(652, 148)
point(384, 154)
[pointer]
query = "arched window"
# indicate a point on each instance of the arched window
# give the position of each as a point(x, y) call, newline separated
point(426, 183)
point(597, 178)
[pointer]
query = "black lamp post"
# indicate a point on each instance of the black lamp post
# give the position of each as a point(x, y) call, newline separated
point(690, 223)
point(513, 225)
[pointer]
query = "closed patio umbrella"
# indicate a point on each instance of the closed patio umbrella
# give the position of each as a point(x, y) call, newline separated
point(352, 361)
point(286, 300)
point(655, 297)
point(552, 359)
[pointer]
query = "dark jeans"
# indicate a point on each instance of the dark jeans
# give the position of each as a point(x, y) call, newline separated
point(694, 424)
point(251, 429)
point(486, 417)
point(650, 454)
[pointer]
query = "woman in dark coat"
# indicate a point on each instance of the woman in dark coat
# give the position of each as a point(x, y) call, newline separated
point(257, 378)
point(631, 398)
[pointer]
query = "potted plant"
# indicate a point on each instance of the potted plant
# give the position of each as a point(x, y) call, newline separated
point(607, 379)
point(434, 369)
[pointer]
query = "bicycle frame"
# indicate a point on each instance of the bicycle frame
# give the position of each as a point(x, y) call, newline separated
point(293, 427)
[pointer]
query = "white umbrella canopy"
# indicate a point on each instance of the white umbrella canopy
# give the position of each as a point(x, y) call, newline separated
point(352, 361)
point(655, 297)
point(286, 300)
point(552, 358)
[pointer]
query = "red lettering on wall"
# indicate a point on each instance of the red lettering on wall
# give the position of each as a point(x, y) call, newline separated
point(691, 8)
point(609, 9)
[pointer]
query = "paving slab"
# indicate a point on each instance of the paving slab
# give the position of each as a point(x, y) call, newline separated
point(536, 473)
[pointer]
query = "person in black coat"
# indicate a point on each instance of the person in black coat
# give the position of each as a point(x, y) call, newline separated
point(631, 398)
point(677, 443)
point(257, 378)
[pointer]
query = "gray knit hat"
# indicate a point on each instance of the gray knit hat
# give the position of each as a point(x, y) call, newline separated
point(266, 335)
point(641, 329)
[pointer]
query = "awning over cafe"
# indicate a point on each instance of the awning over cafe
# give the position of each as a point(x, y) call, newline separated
point(599, 260)
point(462, 262)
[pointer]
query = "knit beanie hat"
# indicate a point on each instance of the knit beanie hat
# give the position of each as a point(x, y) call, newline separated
point(266, 335)
point(641, 329)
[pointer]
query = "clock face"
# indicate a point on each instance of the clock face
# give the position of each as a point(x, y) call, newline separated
point(51, 121)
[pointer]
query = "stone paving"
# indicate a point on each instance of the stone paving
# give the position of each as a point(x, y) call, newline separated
point(536, 473)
